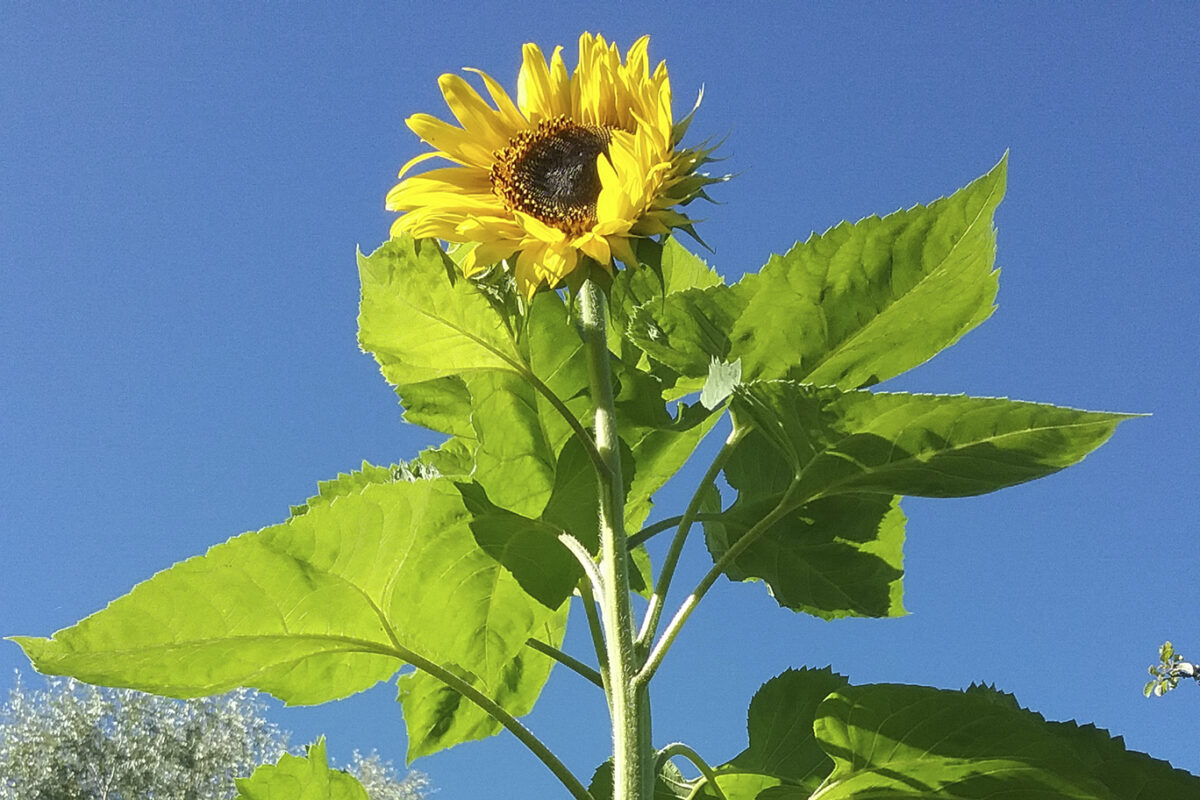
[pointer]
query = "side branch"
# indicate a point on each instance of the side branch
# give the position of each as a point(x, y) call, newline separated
point(681, 749)
point(659, 597)
point(689, 604)
point(493, 709)
point(487, 704)
point(654, 529)
point(568, 661)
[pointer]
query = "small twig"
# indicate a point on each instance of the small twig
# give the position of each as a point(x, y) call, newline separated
point(706, 772)
point(568, 661)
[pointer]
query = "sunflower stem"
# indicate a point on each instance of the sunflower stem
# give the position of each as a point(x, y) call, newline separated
point(629, 702)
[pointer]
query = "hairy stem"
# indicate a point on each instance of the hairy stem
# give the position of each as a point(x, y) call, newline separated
point(567, 660)
point(659, 597)
point(681, 749)
point(628, 702)
point(783, 507)
point(596, 628)
point(655, 528)
point(496, 712)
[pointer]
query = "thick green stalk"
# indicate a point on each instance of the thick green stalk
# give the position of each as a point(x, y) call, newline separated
point(629, 704)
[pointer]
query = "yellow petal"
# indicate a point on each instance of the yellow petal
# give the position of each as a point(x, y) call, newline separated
point(507, 108)
point(477, 118)
point(486, 255)
point(412, 162)
point(594, 247)
point(454, 142)
point(540, 230)
point(533, 85)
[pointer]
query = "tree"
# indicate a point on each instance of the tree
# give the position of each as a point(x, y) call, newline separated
point(72, 741)
point(382, 782)
point(1170, 669)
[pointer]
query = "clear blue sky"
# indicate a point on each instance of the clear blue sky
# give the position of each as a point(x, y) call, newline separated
point(182, 187)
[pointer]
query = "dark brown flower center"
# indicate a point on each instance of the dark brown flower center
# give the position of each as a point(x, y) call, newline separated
point(549, 172)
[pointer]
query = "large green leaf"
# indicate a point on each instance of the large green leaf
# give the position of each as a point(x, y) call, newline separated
point(834, 557)
point(659, 451)
point(783, 749)
point(832, 463)
point(866, 301)
point(528, 548)
point(442, 405)
point(315, 609)
point(891, 741)
point(305, 777)
point(929, 445)
point(437, 717)
point(421, 322)
point(349, 483)
point(514, 459)
point(556, 357)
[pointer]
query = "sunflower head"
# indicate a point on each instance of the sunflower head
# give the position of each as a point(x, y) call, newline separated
point(579, 166)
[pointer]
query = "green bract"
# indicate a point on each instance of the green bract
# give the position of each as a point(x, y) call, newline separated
point(563, 417)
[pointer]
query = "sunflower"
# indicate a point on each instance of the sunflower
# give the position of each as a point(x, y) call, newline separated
point(578, 167)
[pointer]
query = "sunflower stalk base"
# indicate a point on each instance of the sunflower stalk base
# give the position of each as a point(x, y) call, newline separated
point(628, 701)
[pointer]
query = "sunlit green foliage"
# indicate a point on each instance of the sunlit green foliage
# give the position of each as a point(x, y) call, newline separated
point(462, 562)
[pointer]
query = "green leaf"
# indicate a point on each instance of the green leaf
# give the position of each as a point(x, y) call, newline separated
point(892, 741)
point(929, 445)
point(354, 482)
point(688, 330)
point(514, 460)
point(557, 357)
point(519, 433)
point(668, 269)
point(529, 549)
point(834, 557)
point(437, 717)
point(783, 748)
point(305, 777)
point(864, 302)
point(316, 608)
point(659, 451)
point(452, 458)
point(347, 483)
point(576, 494)
point(442, 405)
point(832, 463)
point(421, 322)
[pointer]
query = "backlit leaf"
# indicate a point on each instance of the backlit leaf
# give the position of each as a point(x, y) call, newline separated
point(783, 748)
point(437, 717)
point(834, 557)
point(305, 777)
point(892, 741)
point(929, 445)
point(864, 302)
point(313, 609)
point(422, 323)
